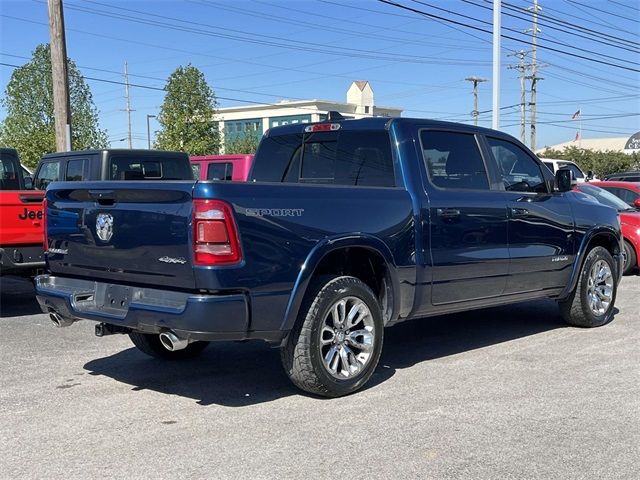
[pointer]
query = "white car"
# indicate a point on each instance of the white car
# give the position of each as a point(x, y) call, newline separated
point(554, 165)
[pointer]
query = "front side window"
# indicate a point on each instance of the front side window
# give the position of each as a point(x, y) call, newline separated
point(49, 172)
point(577, 173)
point(519, 171)
point(195, 167)
point(453, 160)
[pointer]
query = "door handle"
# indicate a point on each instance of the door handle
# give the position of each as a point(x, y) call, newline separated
point(448, 212)
point(519, 212)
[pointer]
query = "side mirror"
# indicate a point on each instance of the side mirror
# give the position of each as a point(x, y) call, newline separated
point(28, 183)
point(589, 175)
point(636, 203)
point(564, 180)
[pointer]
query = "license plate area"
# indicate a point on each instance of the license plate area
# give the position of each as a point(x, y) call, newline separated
point(116, 299)
point(108, 299)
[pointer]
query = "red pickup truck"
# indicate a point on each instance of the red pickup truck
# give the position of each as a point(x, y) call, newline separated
point(21, 222)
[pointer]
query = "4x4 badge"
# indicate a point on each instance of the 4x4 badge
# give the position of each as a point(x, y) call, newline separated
point(104, 226)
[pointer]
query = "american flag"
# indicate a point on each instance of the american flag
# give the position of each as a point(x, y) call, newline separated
point(576, 115)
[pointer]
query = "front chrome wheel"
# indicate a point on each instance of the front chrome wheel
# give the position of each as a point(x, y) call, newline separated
point(600, 287)
point(347, 336)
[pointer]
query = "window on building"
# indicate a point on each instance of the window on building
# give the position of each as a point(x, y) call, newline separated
point(366, 109)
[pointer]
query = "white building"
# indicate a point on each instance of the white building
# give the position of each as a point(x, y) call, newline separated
point(235, 122)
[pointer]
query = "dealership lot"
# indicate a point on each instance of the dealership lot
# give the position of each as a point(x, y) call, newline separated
point(507, 392)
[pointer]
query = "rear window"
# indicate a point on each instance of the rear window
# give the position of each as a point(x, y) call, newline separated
point(220, 171)
point(125, 167)
point(9, 179)
point(335, 158)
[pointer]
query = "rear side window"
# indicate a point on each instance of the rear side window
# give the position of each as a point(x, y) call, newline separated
point(76, 170)
point(195, 167)
point(519, 171)
point(453, 160)
point(49, 172)
point(220, 171)
point(358, 158)
point(124, 167)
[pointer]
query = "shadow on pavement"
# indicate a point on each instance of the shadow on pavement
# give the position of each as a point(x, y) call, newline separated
point(240, 374)
point(17, 297)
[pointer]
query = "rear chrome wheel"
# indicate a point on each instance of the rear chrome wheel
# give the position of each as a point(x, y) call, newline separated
point(335, 345)
point(347, 338)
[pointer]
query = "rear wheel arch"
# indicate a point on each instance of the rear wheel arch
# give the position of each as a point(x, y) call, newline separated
point(364, 257)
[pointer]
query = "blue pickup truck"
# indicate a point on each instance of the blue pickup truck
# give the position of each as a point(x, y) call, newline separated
point(345, 227)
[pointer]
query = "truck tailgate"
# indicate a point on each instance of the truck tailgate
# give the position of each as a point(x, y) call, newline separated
point(122, 232)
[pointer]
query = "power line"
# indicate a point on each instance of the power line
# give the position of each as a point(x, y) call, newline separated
point(598, 10)
point(207, 55)
point(546, 47)
point(555, 23)
point(299, 45)
point(518, 32)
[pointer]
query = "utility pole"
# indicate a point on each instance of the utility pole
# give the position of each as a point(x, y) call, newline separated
point(475, 111)
point(534, 71)
point(128, 109)
point(495, 120)
point(522, 69)
point(149, 130)
point(59, 76)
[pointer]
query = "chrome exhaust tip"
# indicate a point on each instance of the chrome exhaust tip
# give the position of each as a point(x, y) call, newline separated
point(60, 321)
point(172, 342)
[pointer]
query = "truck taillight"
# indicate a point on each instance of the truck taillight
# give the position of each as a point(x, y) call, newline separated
point(215, 237)
point(45, 239)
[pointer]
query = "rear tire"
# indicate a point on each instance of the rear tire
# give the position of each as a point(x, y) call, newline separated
point(336, 343)
point(150, 344)
point(591, 303)
point(630, 258)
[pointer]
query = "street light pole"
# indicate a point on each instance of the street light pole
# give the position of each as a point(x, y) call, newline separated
point(149, 130)
point(495, 121)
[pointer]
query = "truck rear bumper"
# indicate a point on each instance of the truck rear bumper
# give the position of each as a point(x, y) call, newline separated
point(21, 259)
point(191, 316)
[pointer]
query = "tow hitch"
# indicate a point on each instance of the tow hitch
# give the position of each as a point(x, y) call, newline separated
point(104, 329)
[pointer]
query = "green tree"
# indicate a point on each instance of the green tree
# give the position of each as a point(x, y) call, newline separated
point(28, 99)
point(186, 115)
point(599, 162)
point(246, 143)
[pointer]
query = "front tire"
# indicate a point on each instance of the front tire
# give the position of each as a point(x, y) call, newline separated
point(336, 343)
point(591, 303)
point(150, 344)
point(630, 258)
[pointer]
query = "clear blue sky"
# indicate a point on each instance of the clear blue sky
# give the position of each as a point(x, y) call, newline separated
point(265, 51)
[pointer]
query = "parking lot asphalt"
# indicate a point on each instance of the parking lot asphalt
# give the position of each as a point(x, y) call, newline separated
point(507, 392)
